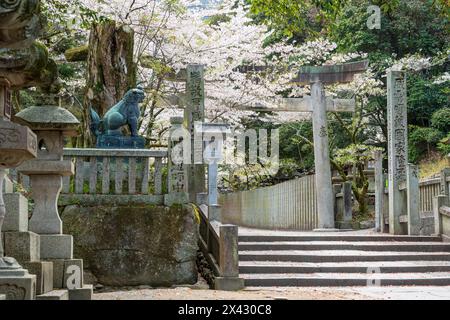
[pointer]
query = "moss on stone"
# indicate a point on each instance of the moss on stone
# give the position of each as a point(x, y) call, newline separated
point(77, 54)
point(138, 245)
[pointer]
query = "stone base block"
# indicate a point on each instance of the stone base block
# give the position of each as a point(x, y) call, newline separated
point(54, 295)
point(228, 284)
point(23, 246)
point(2, 297)
point(120, 142)
point(16, 218)
point(84, 293)
point(17, 285)
point(56, 246)
point(44, 275)
point(67, 271)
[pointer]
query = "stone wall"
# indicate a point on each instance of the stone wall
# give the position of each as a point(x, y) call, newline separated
point(131, 246)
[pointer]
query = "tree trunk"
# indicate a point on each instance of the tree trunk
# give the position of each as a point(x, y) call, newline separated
point(111, 71)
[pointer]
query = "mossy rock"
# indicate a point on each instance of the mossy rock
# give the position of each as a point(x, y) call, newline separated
point(130, 246)
point(77, 54)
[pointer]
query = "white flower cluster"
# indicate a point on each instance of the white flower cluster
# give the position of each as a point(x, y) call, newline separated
point(412, 62)
point(442, 79)
point(224, 39)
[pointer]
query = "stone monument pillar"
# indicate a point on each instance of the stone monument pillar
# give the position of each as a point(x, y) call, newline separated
point(397, 148)
point(178, 155)
point(195, 112)
point(17, 144)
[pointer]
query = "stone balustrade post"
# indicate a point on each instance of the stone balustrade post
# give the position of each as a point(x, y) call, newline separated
point(438, 202)
point(413, 195)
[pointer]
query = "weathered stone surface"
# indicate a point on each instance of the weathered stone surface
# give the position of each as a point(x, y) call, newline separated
point(16, 218)
point(23, 246)
point(2, 297)
point(84, 293)
point(397, 149)
point(368, 224)
point(54, 295)
point(17, 285)
point(58, 273)
point(49, 118)
point(128, 246)
point(45, 191)
point(44, 275)
point(56, 246)
point(228, 284)
point(17, 144)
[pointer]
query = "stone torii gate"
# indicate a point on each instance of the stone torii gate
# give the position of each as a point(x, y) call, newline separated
point(317, 104)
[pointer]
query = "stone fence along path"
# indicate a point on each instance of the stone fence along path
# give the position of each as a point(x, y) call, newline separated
point(289, 205)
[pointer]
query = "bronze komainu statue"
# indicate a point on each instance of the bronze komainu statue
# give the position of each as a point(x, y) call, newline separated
point(125, 113)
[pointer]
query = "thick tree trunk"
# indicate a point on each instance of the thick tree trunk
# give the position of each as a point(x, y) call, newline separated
point(111, 71)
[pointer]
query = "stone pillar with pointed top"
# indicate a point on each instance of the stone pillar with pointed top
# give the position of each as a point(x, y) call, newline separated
point(195, 112)
point(397, 149)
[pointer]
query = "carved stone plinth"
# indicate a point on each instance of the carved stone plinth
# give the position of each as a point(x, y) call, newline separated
point(16, 283)
point(17, 144)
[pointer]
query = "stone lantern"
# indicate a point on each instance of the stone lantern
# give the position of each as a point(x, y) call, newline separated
point(17, 144)
point(51, 124)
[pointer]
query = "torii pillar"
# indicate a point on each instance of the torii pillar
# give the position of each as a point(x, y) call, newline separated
point(317, 77)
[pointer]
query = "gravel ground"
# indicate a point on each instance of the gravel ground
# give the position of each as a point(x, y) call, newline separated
point(248, 294)
point(350, 293)
point(200, 291)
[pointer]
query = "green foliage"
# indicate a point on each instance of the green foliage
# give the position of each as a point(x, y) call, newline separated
point(66, 71)
point(424, 99)
point(354, 154)
point(422, 140)
point(290, 19)
point(407, 27)
point(444, 145)
point(440, 120)
point(295, 144)
point(217, 19)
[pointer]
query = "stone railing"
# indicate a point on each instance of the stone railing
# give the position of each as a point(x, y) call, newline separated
point(219, 244)
point(441, 212)
point(120, 176)
point(430, 188)
point(291, 205)
point(426, 190)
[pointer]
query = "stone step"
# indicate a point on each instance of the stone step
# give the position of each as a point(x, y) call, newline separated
point(347, 245)
point(84, 293)
point(54, 295)
point(337, 237)
point(347, 279)
point(341, 256)
point(279, 267)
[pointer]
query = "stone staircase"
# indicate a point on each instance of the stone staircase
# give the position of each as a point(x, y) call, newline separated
point(267, 260)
